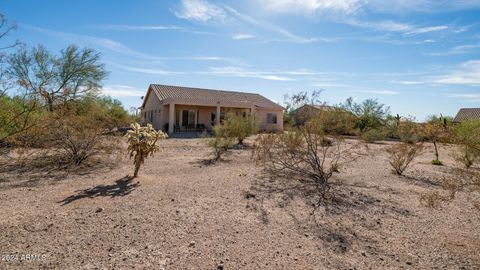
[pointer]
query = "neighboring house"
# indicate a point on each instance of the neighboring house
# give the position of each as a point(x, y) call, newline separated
point(179, 109)
point(466, 114)
point(307, 111)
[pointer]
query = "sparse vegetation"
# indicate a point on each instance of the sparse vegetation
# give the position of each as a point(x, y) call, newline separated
point(402, 155)
point(305, 154)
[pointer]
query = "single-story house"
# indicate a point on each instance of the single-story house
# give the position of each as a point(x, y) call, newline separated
point(183, 109)
point(467, 114)
point(304, 113)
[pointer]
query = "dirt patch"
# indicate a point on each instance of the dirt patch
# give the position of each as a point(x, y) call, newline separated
point(183, 214)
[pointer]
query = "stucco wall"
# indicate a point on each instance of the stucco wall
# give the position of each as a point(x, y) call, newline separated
point(153, 108)
point(261, 116)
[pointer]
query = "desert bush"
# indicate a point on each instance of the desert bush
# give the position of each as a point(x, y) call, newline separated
point(17, 114)
point(435, 131)
point(142, 143)
point(408, 131)
point(304, 154)
point(337, 121)
point(372, 135)
point(466, 135)
point(466, 155)
point(76, 139)
point(238, 127)
point(402, 155)
point(77, 134)
point(457, 180)
point(220, 142)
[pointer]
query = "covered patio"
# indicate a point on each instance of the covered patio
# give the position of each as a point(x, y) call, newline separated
point(196, 118)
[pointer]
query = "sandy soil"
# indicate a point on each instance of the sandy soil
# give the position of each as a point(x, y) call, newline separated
point(183, 214)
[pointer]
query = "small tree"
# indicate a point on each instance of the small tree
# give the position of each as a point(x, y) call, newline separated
point(220, 142)
point(142, 143)
point(370, 113)
point(239, 127)
point(56, 80)
point(435, 130)
point(402, 154)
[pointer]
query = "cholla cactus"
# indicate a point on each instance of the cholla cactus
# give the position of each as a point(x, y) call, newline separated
point(142, 142)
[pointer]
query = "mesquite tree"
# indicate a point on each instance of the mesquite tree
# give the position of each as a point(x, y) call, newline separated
point(55, 80)
point(142, 143)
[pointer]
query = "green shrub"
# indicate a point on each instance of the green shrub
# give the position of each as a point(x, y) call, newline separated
point(336, 122)
point(409, 131)
point(238, 127)
point(372, 135)
point(437, 162)
point(466, 135)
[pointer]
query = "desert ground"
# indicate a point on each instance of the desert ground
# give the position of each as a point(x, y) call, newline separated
point(182, 213)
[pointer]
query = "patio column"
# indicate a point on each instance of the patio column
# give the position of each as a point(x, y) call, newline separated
point(171, 117)
point(217, 115)
point(252, 114)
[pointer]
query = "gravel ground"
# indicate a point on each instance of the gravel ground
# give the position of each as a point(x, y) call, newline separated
point(183, 214)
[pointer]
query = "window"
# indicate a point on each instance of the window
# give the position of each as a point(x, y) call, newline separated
point(271, 118)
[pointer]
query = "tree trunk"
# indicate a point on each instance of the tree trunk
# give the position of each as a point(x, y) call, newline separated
point(137, 167)
point(436, 149)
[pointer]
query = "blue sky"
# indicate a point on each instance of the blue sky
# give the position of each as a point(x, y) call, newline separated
point(420, 57)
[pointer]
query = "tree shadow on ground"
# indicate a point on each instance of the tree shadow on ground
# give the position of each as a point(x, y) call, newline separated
point(416, 179)
point(209, 161)
point(120, 188)
point(39, 168)
point(350, 221)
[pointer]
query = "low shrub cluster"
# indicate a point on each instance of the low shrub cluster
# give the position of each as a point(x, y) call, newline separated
point(305, 154)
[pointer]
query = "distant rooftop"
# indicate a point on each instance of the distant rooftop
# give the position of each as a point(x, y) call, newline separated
point(466, 114)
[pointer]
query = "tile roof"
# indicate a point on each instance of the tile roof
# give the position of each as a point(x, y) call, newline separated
point(466, 114)
point(209, 96)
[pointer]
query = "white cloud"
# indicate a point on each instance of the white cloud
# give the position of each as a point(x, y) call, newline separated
point(122, 27)
point(199, 10)
point(152, 71)
point(105, 43)
point(311, 6)
point(391, 26)
point(242, 36)
point(469, 97)
point(407, 82)
point(462, 49)
point(355, 6)
point(240, 72)
point(468, 73)
point(261, 24)
point(379, 92)
point(428, 29)
point(122, 91)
